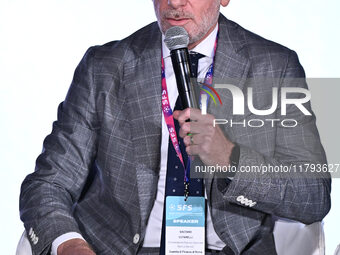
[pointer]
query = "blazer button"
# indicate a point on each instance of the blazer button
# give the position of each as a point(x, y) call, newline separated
point(252, 204)
point(136, 239)
point(240, 198)
point(35, 241)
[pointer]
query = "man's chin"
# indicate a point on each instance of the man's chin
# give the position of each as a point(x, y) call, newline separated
point(168, 23)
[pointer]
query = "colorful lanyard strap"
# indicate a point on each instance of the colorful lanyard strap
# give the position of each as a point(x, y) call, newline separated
point(169, 119)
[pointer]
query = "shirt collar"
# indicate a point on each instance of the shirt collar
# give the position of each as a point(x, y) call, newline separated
point(206, 47)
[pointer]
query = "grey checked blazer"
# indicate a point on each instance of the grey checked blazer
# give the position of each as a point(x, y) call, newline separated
point(98, 171)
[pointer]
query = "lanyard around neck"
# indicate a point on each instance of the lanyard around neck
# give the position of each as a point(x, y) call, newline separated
point(168, 114)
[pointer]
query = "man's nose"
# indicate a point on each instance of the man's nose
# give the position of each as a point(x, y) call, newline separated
point(177, 3)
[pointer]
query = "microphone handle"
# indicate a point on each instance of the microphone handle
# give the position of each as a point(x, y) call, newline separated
point(186, 90)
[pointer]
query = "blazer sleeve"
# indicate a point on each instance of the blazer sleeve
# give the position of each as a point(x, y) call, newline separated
point(303, 195)
point(48, 194)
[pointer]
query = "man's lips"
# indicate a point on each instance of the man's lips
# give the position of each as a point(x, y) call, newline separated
point(177, 21)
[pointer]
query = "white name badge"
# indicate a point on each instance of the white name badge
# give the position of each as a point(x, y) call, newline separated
point(185, 225)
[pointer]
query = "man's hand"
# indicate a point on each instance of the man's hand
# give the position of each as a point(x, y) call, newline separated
point(206, 141)
point(75, 246)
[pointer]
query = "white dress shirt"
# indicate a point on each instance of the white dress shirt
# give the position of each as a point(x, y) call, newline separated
point(154, 226)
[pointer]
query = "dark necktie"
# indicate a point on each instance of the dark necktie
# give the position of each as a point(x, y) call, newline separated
point(194, 57)
point(174, 185)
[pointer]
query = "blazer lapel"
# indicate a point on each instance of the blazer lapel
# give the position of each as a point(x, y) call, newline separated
point(142, 81)
point(231, 66)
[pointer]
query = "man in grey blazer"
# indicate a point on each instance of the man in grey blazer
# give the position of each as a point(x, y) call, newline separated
point(99, 170)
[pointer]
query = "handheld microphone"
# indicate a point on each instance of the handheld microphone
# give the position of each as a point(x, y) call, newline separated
point(177, 40)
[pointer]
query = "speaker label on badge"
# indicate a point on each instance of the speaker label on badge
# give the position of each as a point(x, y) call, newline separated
point(185, 225)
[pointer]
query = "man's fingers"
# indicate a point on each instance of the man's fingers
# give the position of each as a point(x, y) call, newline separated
point(182, 116)
point(176, 113)
point(196, 128)
point(189, 113)
point(186, 128)
point(196, 139)
point(193, 150)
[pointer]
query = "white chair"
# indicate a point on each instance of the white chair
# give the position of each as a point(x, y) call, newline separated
point(295, 238)
point(24, 246)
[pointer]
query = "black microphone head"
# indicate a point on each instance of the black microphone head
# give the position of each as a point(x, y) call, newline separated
point(176, 38)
